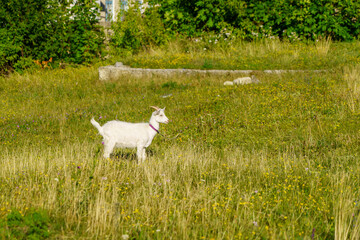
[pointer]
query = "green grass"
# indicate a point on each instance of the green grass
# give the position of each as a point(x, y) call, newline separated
point(260, 55)
point(275, 160)
point(33, 225)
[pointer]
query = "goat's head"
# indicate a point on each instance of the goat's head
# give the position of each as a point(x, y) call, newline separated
point(159, 115)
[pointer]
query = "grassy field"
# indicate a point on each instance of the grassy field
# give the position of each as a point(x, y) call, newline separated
point(211, 53)
point(275, 160)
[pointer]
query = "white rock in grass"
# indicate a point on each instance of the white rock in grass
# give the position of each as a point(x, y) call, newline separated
point(246, 80)
point(228, 83)
point(167, 95)
point(125, 237)
point(242, 81)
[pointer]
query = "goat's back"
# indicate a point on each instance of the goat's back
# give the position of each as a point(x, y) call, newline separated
point(124, 133)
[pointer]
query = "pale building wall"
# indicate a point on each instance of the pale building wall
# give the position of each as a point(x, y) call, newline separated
point(116, 7)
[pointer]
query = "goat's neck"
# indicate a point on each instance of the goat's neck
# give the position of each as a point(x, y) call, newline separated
point(154, 123)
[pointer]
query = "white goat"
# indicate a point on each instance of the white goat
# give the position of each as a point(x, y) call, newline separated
point(131, 135)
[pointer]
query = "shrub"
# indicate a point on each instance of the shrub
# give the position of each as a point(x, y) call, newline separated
point(44, 29)
point(32, 225)
point(194, 17)
point(291, 19)
point(304, 19)
point(136, 30)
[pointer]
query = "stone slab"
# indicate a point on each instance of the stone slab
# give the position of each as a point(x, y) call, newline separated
point(120, 71)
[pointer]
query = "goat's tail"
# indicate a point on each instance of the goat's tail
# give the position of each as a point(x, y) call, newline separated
point(97, 125)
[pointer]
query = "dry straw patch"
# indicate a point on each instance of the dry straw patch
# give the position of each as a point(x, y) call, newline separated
point(323, 45)
point(352, 78)
point(347, 221)
point(351, 75)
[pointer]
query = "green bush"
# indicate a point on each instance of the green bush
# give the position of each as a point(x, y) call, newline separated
point(303, 19)
point(136, 30)
point(296, 20)
point(44, 29)
point(32, 225)
point(194, 17)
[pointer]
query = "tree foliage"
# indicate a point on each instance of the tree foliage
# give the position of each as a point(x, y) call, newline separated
point(137, 29)
point(294, 19)
point(42, 30)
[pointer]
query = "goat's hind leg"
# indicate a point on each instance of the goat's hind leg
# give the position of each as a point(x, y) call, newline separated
point(108, 148)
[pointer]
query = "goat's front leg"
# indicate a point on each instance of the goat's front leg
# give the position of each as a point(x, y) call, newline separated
point(140, 154)
point(144, 154)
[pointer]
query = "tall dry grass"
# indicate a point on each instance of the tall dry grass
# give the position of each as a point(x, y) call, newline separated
point(346, 206)
point(351, 75)
point(216, 52)
point(352, 78)
point(323, 46)
point(184, 193)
